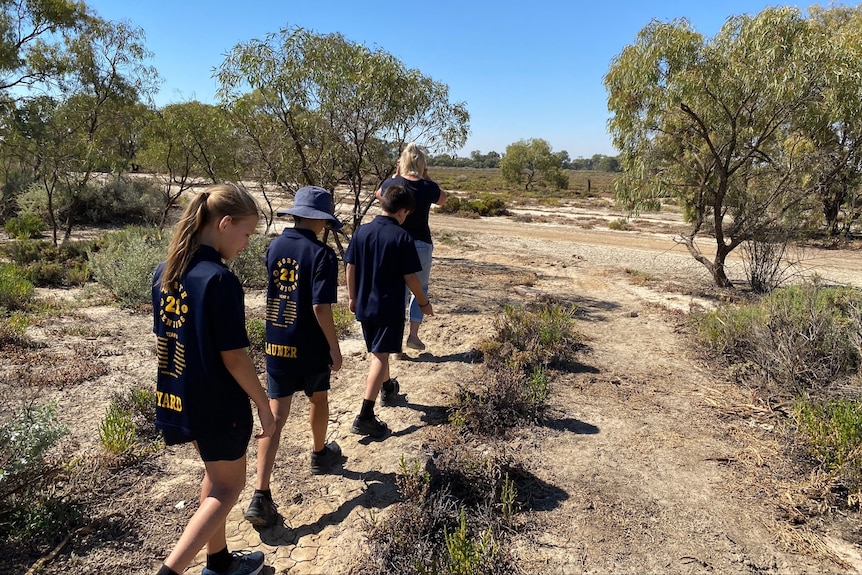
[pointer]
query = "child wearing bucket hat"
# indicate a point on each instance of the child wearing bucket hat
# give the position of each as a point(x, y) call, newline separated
point(302, 348)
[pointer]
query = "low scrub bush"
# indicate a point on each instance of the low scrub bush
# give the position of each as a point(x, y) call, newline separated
point(47, 265)
point(250, 265)
point(499, 400)
point(833, 434)
point(797, 340)
point(344, 320)
point(127, 428)
point(28, 507)
point(123, 262)
point(532, 336)
point(484, 205)
point(24, 226)
point(15, 289)
point(432, 531)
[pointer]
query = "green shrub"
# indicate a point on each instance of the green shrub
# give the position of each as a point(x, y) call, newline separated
point(796, 340)
point(12, 327)
point(123, 200)
point(833, 430)
point(117, 431)
point(127, 427)
point(15, 289)
point(531, 336)
point(28, 507)
point(250, 265)
point(484, 205)
point(468, 555)
point(344, 320)
point(47, 265)
point(619, 224)
point(124, 262)
point(24, 226)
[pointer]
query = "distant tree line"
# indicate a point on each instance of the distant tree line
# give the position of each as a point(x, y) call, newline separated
point(597, 163)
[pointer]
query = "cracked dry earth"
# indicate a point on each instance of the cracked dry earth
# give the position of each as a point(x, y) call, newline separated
point(648, 463)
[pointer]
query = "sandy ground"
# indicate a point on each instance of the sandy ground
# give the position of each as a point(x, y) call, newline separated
point(650, 462)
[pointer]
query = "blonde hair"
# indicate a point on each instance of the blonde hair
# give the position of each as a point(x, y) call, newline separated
point(210, 205)
point(412, 161)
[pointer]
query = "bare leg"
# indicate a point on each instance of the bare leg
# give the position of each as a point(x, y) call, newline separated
point(319, 418)
point(267, 447)
point(378, 372)
point(220, 489)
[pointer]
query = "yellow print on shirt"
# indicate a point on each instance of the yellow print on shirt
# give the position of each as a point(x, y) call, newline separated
point(169, 401)
point(173, 306)
point(172, 355)
point(286, 274)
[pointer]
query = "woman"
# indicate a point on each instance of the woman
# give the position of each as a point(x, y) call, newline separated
point(412, 174)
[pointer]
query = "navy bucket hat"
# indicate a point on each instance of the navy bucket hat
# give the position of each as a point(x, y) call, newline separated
point(314, 203)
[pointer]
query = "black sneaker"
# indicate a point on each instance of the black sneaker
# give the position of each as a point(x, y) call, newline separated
point(373, 428)
point(327, 460)
point(389, 392)
point(261, 512)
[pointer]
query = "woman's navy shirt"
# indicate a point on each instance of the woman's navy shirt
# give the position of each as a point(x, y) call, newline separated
point(382, 253)
point(426, 192)
point(194, 321)
point(303, 271)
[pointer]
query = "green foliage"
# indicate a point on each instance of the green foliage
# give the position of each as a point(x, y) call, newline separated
point(532, 162)
point(484, 205)
point(834, 431)
point(468, 555)
point(12, 327)
point(116, 431)
point(123, 262)
point(530, 336)
point(15, 289)
point(47, 265)
point(24, 226)
point(746, 156)
point(619, 224)
point(798, 339)
point(344, 320)
point(28, 507)
point(250, 265)
point(127, 428)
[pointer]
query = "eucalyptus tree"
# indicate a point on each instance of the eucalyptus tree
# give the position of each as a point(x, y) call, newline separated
point(338, 112)
point(189, 144)
point(530, 162)
point(31, 34)
point(834, 125)
point(713, 125)
point(105, 77)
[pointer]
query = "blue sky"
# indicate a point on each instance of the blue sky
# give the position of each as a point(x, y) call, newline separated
point(524, 69)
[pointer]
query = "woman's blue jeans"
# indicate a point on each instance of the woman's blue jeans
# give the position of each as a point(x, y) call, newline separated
point(424, 250)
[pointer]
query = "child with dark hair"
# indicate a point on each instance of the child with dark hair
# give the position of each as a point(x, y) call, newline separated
point(381, 258)
point(205, 376)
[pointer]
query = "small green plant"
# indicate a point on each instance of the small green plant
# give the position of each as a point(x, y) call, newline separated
point(25, 226)
point(344, 320)
point(619, 224)
point(466, 555)
point(413, 481)
point(256, 330)
point(508, 497)
point(15, 288)
point(538, 386)
point(117, 430)
point(833, 430)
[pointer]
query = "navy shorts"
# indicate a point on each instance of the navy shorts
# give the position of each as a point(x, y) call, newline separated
point(285, 385)
point(383, 338)
point(225, 443)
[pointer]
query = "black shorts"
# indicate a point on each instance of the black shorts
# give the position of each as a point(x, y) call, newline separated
point(383, 338)
point(225, 442)
point(285, 385)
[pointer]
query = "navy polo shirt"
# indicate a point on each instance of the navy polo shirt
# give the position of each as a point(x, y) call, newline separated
point(303, 271)
point(426, 192)
point(200, 316)
point(383, 253)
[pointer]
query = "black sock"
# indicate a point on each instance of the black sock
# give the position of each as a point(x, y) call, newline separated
point(367, 411)
point(219, 562)
point(265, 492)
point(321, 452)
point(165, 570)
